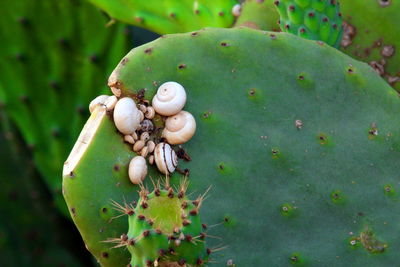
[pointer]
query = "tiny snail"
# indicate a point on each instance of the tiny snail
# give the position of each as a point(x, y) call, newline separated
point(137, 169)
point(135, 136)
point(142, 108)
point(98, 101)
point(151, 159)
point(170, 99)
point(126, 116)
point(151, 146)
point(165, 158)
point(138, 145)
point(145, 136)
point(237, 10)
point(150, 112)
point(111, 102)
point(129, 139)
point(141, 116)
point(179, 128)
point(144, 152)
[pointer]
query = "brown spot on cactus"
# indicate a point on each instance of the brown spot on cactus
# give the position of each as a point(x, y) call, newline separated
point(388, 51)
point(371, 243)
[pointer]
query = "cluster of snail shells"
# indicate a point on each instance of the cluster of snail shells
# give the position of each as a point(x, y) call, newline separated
point(180, 127)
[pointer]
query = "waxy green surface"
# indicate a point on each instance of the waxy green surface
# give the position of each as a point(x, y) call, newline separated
point(281, 193)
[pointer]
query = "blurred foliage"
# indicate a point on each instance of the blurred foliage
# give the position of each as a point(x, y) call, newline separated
point(31, 230)
point(55, 57)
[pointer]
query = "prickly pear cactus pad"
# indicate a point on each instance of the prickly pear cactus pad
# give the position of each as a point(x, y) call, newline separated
point(372, 34)
point(370, 31)
point(170, 16)
point(299, 143)
point(312, 19)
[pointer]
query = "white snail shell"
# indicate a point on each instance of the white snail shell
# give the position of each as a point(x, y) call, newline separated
point(98, 101)
point(137, 169)
point(179, 128)
point(111, 102)
point(165, 158)
point(126, 116)
point(170, 99)
point(150, 112)
point(237, 10)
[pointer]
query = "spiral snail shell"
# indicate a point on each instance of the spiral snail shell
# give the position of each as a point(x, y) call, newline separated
point(126, 116)
point(137, 169)
point(170, 99)
point(98, 101)
point(179, 128)
point(165, 158)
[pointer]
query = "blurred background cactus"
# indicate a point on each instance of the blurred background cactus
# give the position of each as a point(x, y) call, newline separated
point(55, 57)
point(52, 64)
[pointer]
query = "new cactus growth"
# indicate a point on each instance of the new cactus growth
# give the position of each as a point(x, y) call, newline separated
point(164, 227)
point(299, 142)
point(312, 19)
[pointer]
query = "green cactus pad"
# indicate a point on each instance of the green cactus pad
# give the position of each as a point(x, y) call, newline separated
point(311, 19)
point(299, 151)
point(372, 34)
point(370, 31)
point(170, 16)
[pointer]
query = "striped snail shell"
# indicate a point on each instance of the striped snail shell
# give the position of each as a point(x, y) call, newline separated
point(165, 158)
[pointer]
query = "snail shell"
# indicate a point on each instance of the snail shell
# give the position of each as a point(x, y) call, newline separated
point(165, 158)
point(138, 145)
point(151, 159)
point(151, 146)
point(145, 136)
point(237, 10)
point(170, 99)
point(179, 128)
point(126, 116)
point(98, 101)
point(137, 169)
point(150, 112)
point(129, 139)
point(111, 102)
